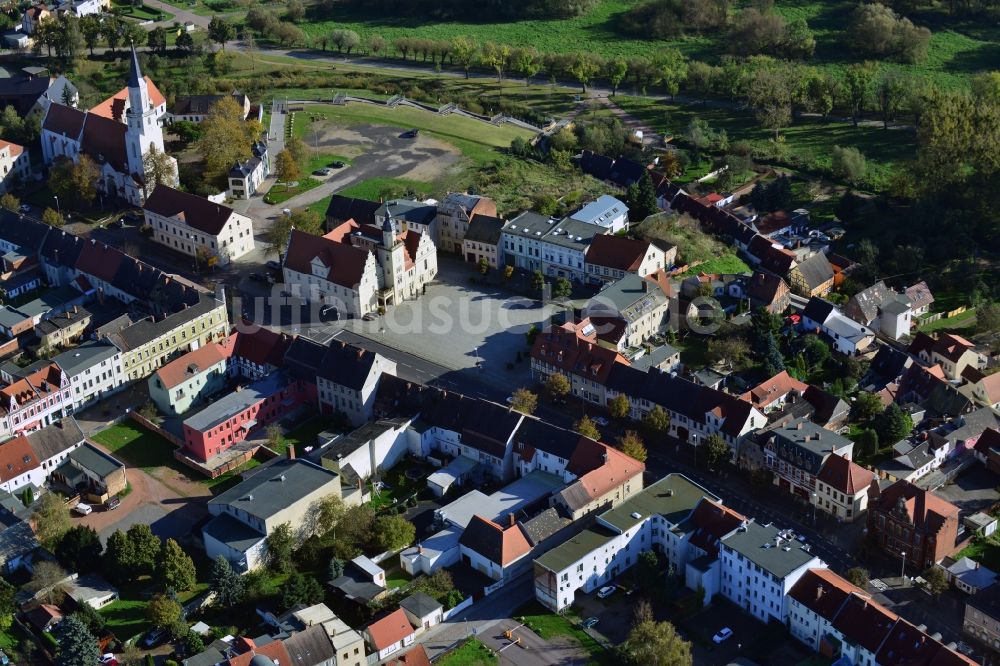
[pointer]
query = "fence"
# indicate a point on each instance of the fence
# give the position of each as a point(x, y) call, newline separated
point(457, 609)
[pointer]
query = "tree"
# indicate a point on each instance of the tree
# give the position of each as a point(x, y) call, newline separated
point(163, 611)
point(176, 568)
point(619, 406)
point(90, 28)
point(185, 41)
point(53, 218)
point(867, 406)
point(859, 81)
point(327, 512)
point(713, 451)
point(80, 548)
point(226, 138)
point(586, 427)
point(483, 266)
point(286, 168)
point(145, 549)
point(769, 92)
point(656, 421)
point(7, 606)
point(524, 401)
point(221, 31)
point(9, 201)
point(616, 69)
point(857, 576)
point(226, 583)
point(670, 68)
point(527, 63)
point(277, 235)
point(848, 164)
point(563, 288)
point(336, 569)
point(156, 39)
point(75, 182)
point(652, 643)
point(893, 424)
point(557, 386)
point(280, 544)
point(876, 30)
point(301, 589)
point(45, 581)
point(531, 334)
point(495, 56)
point(774, 362)
point(119, 560)
point(392, 533)
point(729, 350)
point(641, 199)
point(647, 567)
point(51, 520)
point(936, 581)
point(866, 443)
point(295, 10)
point(538, 281)
point(355, 528)
point(77, 646)
point(159, 168)
point(463, 52)
point(583, 66)
point(631, 445)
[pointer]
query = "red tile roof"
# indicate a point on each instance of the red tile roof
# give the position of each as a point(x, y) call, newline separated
point(618, 252)
point(926, 511)
point(497, 544)
point(192, 363)
point(601, 468)
point(712, 521)
point(37, 385)
point(415, 657)
point(991, 386)
point(823, 592)
point(195, 211)
point(845, 475)
point(16, 458)
point(573, 348)
point(390, 630)
point(864, 622)
point(275, 651)
point(114, 106)
point(103, 140)
point(346, 263)
point(260, 345)
point(773, 389)
point(100, 260)
point(411, 241)
point(15, 149)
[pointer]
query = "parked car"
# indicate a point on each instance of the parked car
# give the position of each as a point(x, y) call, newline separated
point(273, 265)
point(722, 636)
point(329, 313)
point(108, 659)
point(369, 317)
point(601, 421)
point(606, 591)
point(411, 134)
point(154, 637)
point(286, 212)
point(589, 622)
point(337, 165)
point(25, 208)
point(83, 509)
point(322, 172)
point(112, 503)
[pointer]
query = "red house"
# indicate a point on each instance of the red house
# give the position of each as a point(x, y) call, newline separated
point(231, 419)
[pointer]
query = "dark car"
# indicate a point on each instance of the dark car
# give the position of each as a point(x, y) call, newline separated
point(411, 134)
point(337, 165)
point(112, 503)
point(258, 277)
point(154, 637)
point(274, 265)
point(329, 313)
point(322, 172)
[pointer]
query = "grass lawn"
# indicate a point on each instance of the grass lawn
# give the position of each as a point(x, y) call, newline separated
point(694, 350)
point(547, 624)
point(139, 446)
point(126, 618)
point(471, 653)
point(985, 551)
point(281, 192)
point(322, 160)
point(964, 320)
point(224, 482)
point(727, 263)
point(396, 578)
point(477, 140)
point(141, 13)
point(304, 435)
point(373, 188)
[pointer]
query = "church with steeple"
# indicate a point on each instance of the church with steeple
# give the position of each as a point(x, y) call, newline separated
point(118, 134)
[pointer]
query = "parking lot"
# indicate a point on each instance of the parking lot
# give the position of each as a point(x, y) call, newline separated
point(974, 490)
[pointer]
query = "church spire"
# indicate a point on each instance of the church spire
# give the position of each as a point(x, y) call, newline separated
point(134, 73)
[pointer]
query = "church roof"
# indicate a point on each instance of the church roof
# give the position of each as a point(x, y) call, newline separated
point(114, 106)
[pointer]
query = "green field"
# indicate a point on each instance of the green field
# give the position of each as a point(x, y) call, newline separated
point(548, 624)
point(985, 551)
point(470, 653)
point(141, 13)
point(280, 193)
point(139, 446)
point(963, 320)
point(126, 618)
point(956, 48)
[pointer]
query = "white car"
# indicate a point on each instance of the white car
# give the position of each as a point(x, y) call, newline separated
point(601, 421)
point(83, 509)
point(606, 591)
point(724, 635)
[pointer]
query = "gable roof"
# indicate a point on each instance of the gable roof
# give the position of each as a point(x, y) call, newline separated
point(920, 295)
point(52, 440)
point(420, 604)
point(772, 389)
point(713, 520)
point(416, 656)
point(310, 646)
point(926, 511)
point(617, 252)
point(485, 229)
point(16, 458)
point(816, 270)
point(818, 309)
point(192, 363)
point(390, 630)
point(502, 546)
point(823, 592)
point(274, 652)
point(346, 365)
point(261, 345)
point(345, 263)
point(343, 208)
point(194, 211)
point(574, 349)
point(766, 288)
point(845, 475)
point(113, 107)
point(864, 306)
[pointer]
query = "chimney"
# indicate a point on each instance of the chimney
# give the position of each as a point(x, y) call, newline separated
point(798, 426)
point(291, 452)
point(512, 519)
point(819, 592)
point(76, 309)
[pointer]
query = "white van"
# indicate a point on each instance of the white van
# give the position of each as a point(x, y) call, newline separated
point(83, 509)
